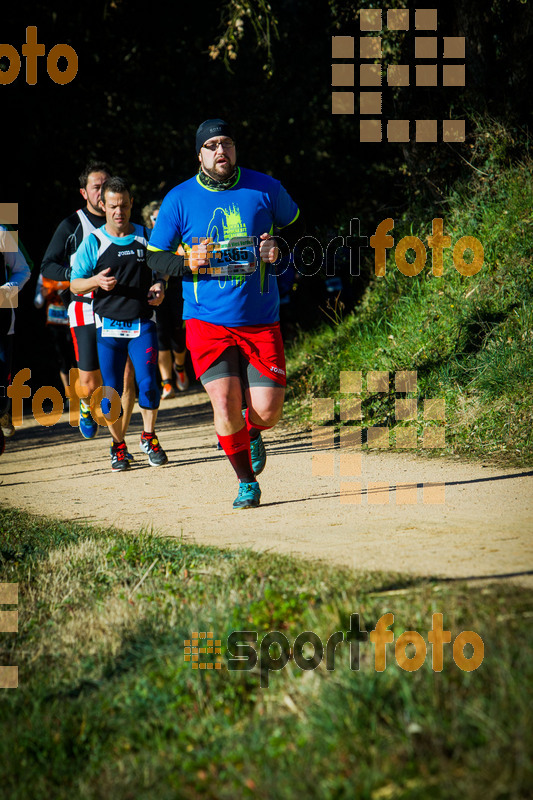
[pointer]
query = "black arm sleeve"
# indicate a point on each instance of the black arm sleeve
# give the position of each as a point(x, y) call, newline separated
point(293, 232)
point(165, 263)
point(55, 264)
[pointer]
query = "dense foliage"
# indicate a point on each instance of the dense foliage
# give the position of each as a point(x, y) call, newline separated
point(149, 74)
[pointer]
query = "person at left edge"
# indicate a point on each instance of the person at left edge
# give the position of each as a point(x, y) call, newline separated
point(14, 272)
point(111, 261)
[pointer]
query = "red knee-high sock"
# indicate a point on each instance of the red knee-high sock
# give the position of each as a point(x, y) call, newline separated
point(252, 428)
point(237, 448)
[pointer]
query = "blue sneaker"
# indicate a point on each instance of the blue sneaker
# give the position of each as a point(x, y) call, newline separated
point(258, 453)
point(88, 427)
point(249, 495)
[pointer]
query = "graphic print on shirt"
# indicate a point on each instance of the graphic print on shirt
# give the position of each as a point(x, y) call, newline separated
point(227, 223)
point(188, 212)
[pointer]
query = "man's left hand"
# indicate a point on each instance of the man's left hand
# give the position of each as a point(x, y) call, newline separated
point(268, 248)
point(156, 294)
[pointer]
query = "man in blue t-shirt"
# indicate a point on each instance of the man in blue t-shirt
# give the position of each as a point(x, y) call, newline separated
point(224, 218)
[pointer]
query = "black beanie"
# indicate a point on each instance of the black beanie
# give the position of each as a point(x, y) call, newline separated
point(210, 128)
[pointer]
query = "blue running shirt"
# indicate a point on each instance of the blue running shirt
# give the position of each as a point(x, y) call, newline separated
point(191, 212)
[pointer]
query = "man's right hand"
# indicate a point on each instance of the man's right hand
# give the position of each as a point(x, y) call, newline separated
point(200, 255)
point(105, 281)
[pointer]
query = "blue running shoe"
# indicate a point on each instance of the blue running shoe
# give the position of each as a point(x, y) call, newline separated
point(258, 453)
point(249, 495)
point(88, 427)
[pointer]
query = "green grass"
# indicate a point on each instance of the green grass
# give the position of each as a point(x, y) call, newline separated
point(469, 338)
point(108, 708)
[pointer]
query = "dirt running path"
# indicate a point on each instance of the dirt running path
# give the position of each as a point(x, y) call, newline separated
point(484, 527)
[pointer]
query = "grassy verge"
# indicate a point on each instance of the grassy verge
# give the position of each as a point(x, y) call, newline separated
point(108, 708)
point(469, 338)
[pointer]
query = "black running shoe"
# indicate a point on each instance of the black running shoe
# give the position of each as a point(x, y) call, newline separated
point(156, 455)
point(119, 462)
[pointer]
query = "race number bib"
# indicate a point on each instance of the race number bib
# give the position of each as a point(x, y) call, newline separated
point(118, 329)
point(233, 257)
point(57, 315)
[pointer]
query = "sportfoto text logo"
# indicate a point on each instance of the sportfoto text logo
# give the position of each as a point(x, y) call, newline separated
point(18, 390)
point(308, 254)
point(32, 51)
point(242, 655)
